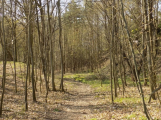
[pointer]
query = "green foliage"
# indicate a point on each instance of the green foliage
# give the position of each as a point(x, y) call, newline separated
point(134, 31)
point(91, 79)
point(142, 117)
point(128, 100)
point(134, 115)
point(129, 117)
point(93, 119)
point(57, 110)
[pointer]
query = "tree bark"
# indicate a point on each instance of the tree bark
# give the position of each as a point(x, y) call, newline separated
point(135, 65)
point(30, 42)
point(4, 59)
point(60, 45)
point(51, 49)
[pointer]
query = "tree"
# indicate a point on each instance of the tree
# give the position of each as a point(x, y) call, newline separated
point(134, 61)
point(4, 58)
point(60, 45)
point(149, 37)
point(14, 43)
point(51, 48)
point(30, 49)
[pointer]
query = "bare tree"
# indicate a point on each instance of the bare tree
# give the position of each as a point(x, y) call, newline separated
point(14, 43)
point(60, 45)
point(30, 49)
point(134, 62)
point(51, 48)
point(4, 59)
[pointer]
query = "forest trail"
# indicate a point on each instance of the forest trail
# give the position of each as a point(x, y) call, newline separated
point(78, 102)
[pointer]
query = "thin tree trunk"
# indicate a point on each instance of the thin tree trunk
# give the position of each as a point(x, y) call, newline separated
point(135, 65)
point(41, 45)
point(114, 47)
point(26, 103)
point(148, 28)
point(143, 43)
point(51, 49)
point(14, 47)
point(111, 63)
point(4, 59)
point(60, 45)
point(30, 40)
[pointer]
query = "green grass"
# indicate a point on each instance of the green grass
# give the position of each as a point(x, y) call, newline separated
point(90, 79)
point(18, 65)
point(142, 117)
point(129, 117)
point(93, 119)
point(57, 110)
point(134, 115)
point(128, 100)
point(12, 62)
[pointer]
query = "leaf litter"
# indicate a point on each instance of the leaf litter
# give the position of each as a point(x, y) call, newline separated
point(79, 102)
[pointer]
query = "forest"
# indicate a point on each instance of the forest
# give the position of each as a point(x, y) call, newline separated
point(80, 59)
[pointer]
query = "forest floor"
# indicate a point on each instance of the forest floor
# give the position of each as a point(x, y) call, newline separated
point(80, 101)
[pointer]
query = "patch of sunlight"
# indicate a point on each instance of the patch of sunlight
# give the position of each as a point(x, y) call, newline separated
point(93, 119)
point(90, 79)
point(131, 116)
point(128, 100)
point(143, 117)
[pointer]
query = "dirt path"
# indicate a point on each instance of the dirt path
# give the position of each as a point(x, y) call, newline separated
point(79, 104)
